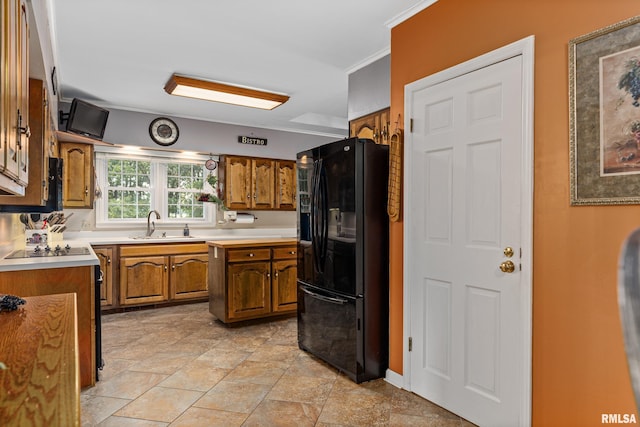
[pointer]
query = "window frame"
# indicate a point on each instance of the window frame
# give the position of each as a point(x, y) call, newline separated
point(159, 191)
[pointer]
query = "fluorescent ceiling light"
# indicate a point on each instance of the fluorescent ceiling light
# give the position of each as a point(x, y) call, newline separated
point(220, 92)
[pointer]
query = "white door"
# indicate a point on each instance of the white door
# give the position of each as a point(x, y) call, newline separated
point(469, 320)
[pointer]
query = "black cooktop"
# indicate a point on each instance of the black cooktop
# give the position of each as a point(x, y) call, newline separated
point(47, 251)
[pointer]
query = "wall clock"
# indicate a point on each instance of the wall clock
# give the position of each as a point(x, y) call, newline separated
point(164, 131)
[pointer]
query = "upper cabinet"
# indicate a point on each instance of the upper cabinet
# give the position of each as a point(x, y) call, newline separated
point(257, 183)
point(372, 126)
point(77, 185)
point(286, 185)
point(14, 97)
point(42, 146)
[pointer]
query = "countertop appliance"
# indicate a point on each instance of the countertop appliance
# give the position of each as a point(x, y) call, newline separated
point(343, 245)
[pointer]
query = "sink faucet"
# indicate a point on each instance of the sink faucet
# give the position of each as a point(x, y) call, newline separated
point(151, 226)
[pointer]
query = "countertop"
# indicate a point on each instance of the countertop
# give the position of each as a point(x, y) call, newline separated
point(39, 346)
point(38, 263)
point(283, 241)
point(97, 238)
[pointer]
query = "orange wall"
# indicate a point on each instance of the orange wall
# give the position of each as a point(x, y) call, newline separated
point(579, 364)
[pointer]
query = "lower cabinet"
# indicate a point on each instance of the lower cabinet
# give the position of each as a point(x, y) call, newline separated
point(77, 280)
point(144, 274)
point(143, 279)
point(188, 276)
point(249, 280)
point(161, 273)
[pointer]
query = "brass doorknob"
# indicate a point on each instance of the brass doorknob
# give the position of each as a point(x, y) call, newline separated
point(507, 267)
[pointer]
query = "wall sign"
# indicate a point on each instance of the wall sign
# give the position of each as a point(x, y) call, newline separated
point(252, 140)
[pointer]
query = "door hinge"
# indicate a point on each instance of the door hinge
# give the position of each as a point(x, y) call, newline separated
point(410, 125)
point(410, 344)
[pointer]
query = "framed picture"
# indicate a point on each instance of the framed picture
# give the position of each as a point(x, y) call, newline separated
point(604, 116)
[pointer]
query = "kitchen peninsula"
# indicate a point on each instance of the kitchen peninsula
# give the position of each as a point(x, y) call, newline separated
point(47, 275)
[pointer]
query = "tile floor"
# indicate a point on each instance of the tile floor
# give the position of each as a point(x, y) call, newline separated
point(179, 366)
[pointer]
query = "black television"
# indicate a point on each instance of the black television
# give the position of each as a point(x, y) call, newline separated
point(87, 119)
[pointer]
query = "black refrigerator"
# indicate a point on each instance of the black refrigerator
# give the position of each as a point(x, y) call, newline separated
point(343, 256)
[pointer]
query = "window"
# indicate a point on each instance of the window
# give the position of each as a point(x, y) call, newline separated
point(135, 185)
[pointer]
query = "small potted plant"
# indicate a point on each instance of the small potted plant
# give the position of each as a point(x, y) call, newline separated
point(214, 197)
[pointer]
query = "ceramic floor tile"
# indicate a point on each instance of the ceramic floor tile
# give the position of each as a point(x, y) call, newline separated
point(164, 362)
point(160, 404)
point(283, 414)
point(402, 420)
point(242, 343)
point(405, 402)
point(130, 422)
point(200, 417)
point(301, 389)
point(257, 372)
point(279, 353)
point(356, 409)
point(182, 366)
point(225, 359)
point(234, 397)
point(95, 409)
point(308, 366)
point(199, 375)
point(126, 385)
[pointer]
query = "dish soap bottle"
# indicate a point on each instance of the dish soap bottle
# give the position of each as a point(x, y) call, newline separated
point(185, 232)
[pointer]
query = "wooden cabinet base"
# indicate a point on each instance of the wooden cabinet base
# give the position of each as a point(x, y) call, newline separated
point(252, 280)
point(38, 345)
point(78, 280)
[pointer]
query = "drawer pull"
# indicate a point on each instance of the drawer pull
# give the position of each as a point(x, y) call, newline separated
point(292, 252)
point(250, 255)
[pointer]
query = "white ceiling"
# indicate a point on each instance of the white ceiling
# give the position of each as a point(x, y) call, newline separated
point(120, 53)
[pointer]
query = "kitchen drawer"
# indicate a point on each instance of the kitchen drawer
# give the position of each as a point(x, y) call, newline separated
point(239, 255)
point(284, 253)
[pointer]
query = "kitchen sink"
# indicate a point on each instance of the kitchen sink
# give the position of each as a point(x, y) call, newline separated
point(162, 237)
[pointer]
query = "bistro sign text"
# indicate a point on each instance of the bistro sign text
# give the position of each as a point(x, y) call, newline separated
point(251, 140)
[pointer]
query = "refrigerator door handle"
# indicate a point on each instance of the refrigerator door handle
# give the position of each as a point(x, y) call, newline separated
point(315, 226)
point(340, 301)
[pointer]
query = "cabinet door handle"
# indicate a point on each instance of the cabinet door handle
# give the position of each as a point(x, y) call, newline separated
point(276, 274)
point(254, 196)
point(173, 267)
point(268, 275)
point(86, 190)
point(108, 260)
point(248, 196)
point(165, 267)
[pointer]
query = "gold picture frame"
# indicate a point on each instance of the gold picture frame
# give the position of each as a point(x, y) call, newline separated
point(604, 116)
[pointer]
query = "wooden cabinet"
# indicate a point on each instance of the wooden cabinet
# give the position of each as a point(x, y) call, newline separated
point(252, 279)
point(374, 126)
point(249, 183)
point(105, 255)
point(42, 145)
point(77, 175)
point(285, 185)
point(144, 280)
point(151, 274)
point(14, 97)
point(189, 276)
point(284, 291)
point(49, 281)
